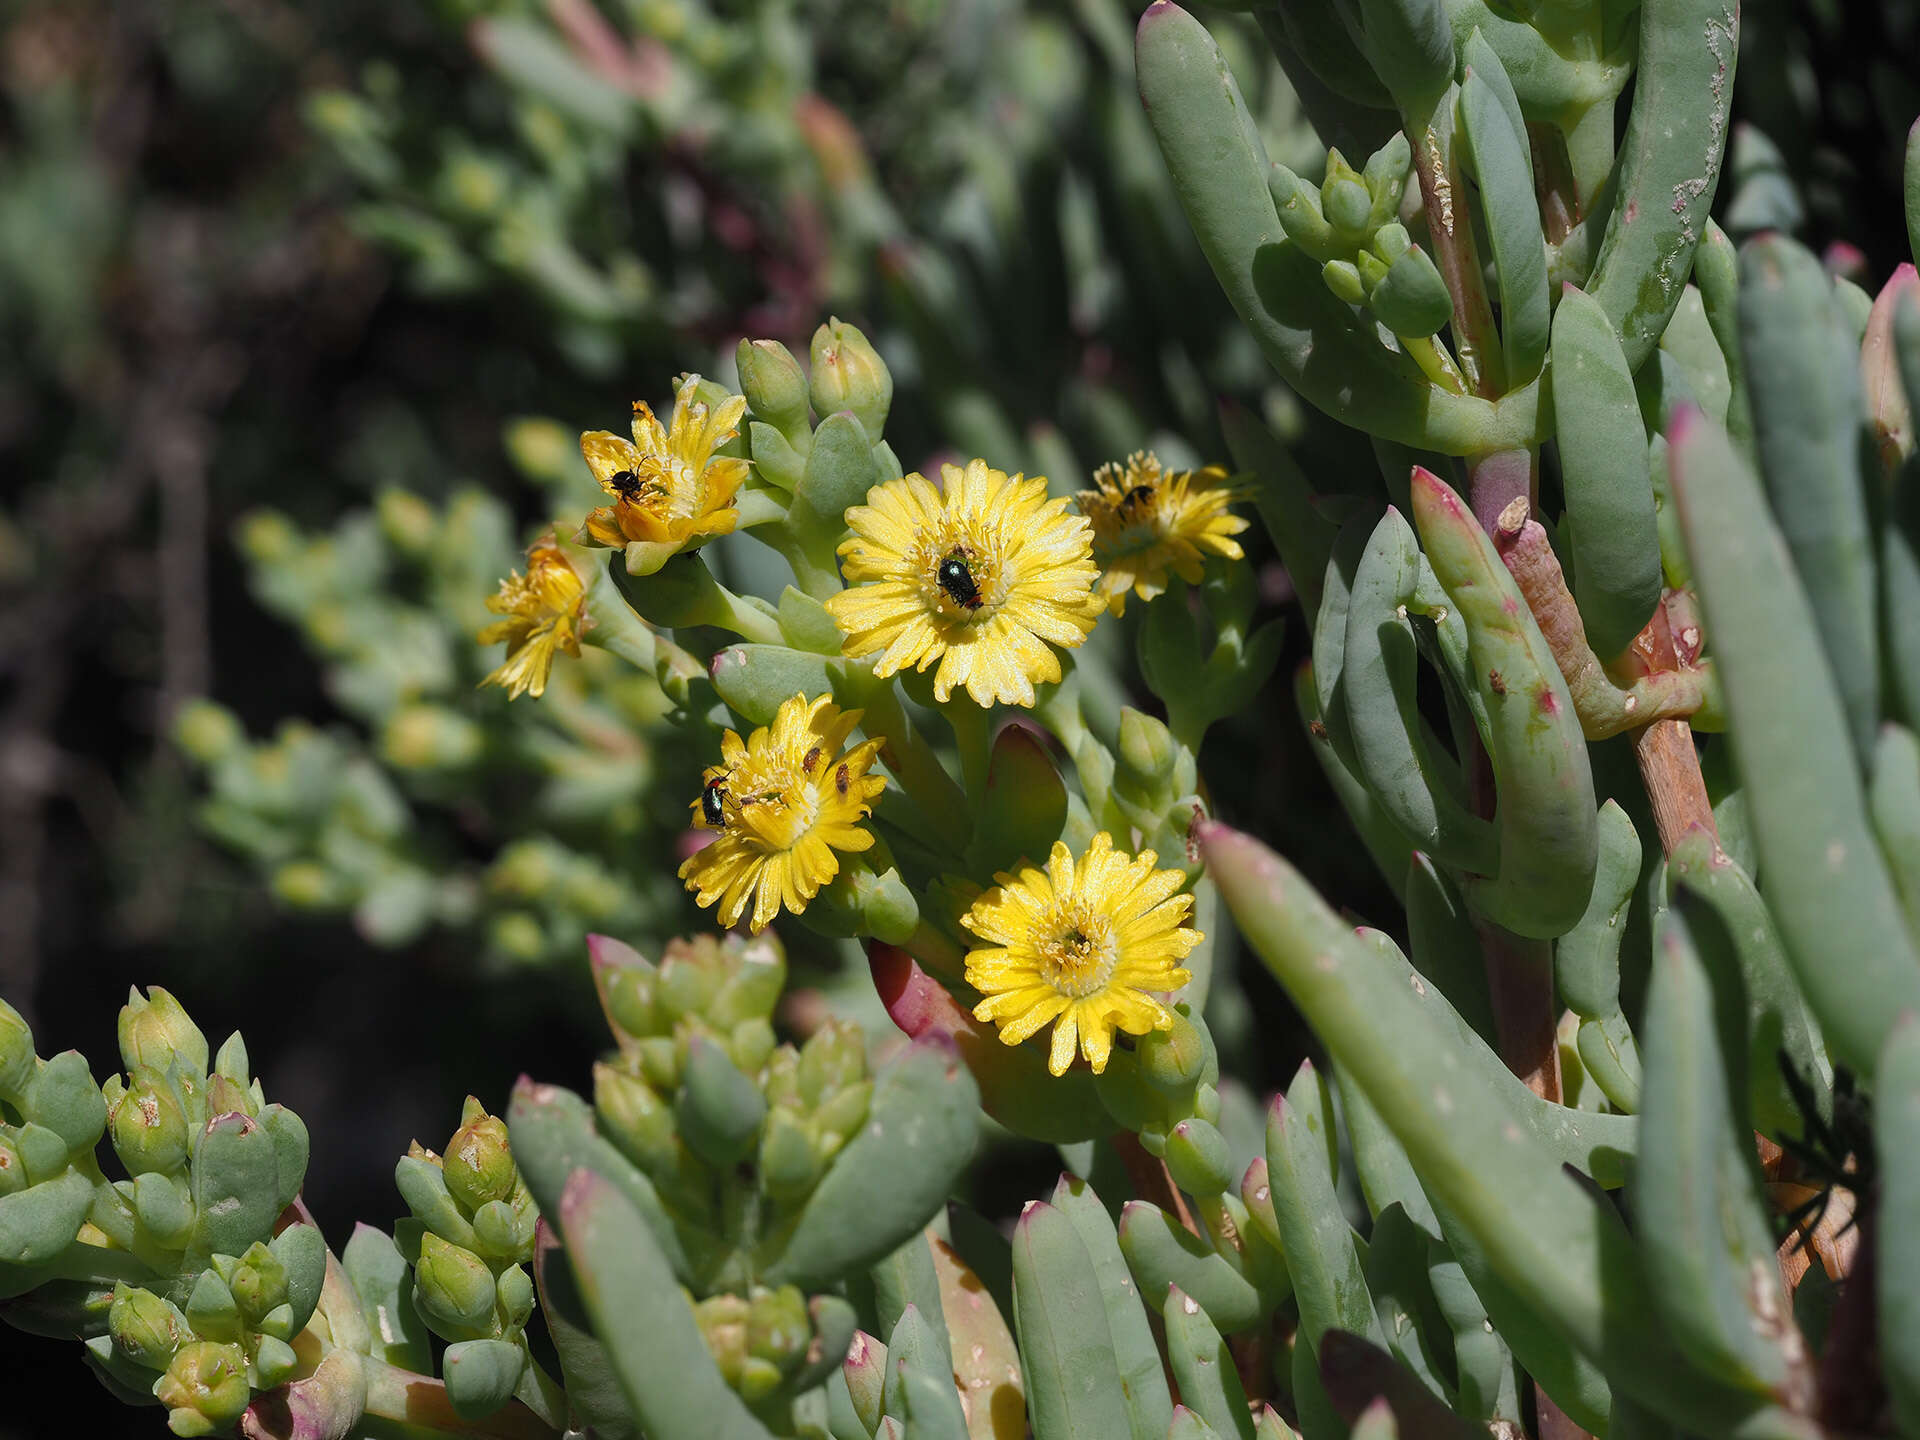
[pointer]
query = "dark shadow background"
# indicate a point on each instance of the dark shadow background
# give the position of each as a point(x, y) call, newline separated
point(234, 343)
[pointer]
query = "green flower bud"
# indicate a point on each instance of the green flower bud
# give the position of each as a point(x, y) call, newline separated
point(758, 1379)
point(634, 1116)
point(723, 1325)
point(690, 978)
point(1390, 242)
point(146, 1124)
point(660, 1061)
point(1176, 1061)
point(501, 1232)
point(514, 1290)
point(1386, 175)
point(17, 1060)
point(145, 1328)
point(788, 1162)
point(205, 1388)
point(756, 974)
point(431, 737)
point(838, 1119)
point(750, 1043)
point(1345, 199)
point(775, 386)
point(206, 731)
point(780, 1081)
point(626, 993)
point(258, 1283)
point(1343, 279)
point(454, 1289)
point(1148, 754)
point(1412, 299)
point(478, 1164)
point(304, 885)
point(542, 449)
point(778, 1329)
point(155, 1030)
point(834, 1057)
point(1298, 204)
point(848, 374)
point(408, 522)
point(719, 1108)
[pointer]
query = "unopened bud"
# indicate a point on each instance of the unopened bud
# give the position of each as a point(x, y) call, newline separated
point(834, 1057)
point(454, 1289)
point(205, 1387)
point(777, 1326)
point(155, 1029)
point(478, 1163)
point(639, 1122)
point(145, 1328)
point(1148, 754)
point(723, 1325)
point(147, 1126)
point(1175, 1061)
point(1411, 299)
point(1345, 199)
point(206, 731)
point(16, 1052)
point(775, 386)
point(514, 1290)
point(848, 374)
point(258, 1283)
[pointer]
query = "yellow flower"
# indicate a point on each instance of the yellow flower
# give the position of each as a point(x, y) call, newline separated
point(667, 486)
point(546, 610)
point(1147, 522)
point(1083, 945)
point(982, 575)
point(784, 801)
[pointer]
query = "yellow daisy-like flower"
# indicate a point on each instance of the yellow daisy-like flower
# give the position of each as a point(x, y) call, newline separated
point(667, 486)
point(1147, 522)
point(984, 575)
point(784, 801)
point(546, 610)
point(1083, 945)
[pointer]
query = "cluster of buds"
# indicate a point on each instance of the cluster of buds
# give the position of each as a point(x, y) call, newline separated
point(186, 1287)
point(771, 1344)
point(697, 1084)
point(470, 1239)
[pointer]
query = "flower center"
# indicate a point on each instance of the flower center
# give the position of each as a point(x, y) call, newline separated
point(962, 580)
point(1076, 950)
point(775, 810)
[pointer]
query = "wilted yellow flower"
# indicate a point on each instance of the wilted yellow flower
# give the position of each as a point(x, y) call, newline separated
point(546, 610)
point(784, 801)
point(1147, 522)
point(1083, 945)
point(983, 575)
point(668, 487)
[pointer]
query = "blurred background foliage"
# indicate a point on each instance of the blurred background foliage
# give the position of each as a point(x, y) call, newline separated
point(301, 311)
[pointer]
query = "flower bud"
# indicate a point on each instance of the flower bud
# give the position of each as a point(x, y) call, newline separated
point(478, 1164)
point(775, 386)
point(1148, 754)
point(690, 978)
point(205, 1387)
point(155, 1029)
point(454, 1289)
point(627, 992)
point(750, 1043)
point(16, 1052)
point(501, 1232)
point(636, 1119)
point(777, 1326)
point(430, 737)
point(1412, 299)
point(145, 1328)
point(834, 1057)
point(514, 1290)
point(788, 1166)
point(274, 1361)
point(1177, 1060)
point(1198, 1158)
point(227, 1096)
point(13, 1169)
point(258, 1283)
point(848, 374)
point(147, 1126)
point(1343, 279)
point(723, 1325)
point(837, 1119)
point(206, 731)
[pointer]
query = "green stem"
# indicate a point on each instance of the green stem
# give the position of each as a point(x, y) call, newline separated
point(971, 735)
point(1435, 363)
point(1476, 343)
point(911, 760)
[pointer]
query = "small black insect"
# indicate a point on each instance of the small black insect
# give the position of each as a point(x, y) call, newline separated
point(628, 484)
point(1139, 495)
point(711, 808)
point(958, 583)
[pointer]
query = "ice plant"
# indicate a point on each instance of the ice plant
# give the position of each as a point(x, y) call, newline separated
point(787, 801)
point(546, 613)
point(1148, 523)
point(1088, 944)
point(670, 489)
point(983, 574)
